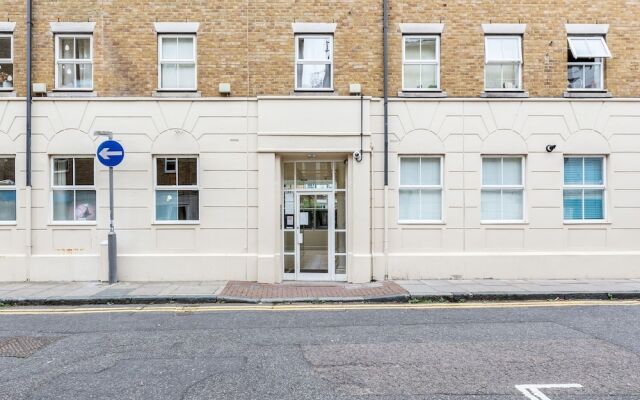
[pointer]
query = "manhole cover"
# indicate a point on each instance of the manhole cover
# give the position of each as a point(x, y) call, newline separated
point(23, 346)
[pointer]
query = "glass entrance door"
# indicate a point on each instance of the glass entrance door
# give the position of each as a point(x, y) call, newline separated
point(313, 236)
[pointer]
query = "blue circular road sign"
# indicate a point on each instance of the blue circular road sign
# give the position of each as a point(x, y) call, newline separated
point(110, 153)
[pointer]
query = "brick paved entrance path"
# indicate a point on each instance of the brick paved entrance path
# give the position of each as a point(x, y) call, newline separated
point(312, 291)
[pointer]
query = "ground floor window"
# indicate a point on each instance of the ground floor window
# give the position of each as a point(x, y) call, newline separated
point(420, 192)
point(584, 188)
point(502, 196)
point(7, 189)
point(177, 194)
point(73, 189)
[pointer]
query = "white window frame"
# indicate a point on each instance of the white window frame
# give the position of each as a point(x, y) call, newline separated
point(72, 187)
point(11, 188)
point(74, 61)
point(194, 61)
point(503, 187)
point(176, 187)
point(435, 62)
point(419, 187)
point(583, 187)
point(597, 61)
point(519, 63)
point(297, 38)
point(9, 61)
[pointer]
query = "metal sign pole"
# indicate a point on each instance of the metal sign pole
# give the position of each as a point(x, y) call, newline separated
point(111, 239)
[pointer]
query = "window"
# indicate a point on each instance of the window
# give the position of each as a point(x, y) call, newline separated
point(73, 189)
point(584, 188)
point(585, 63)
point(74, 62)
point(6, 62)
point(177, 196)
point(420, 189)
point(502, 194)
point(7, 189)
point(177, 62)
point(503, 63)
point(314, 62)
point(421, 63)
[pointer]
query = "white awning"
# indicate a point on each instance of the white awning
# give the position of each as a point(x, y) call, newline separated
point(589, 47)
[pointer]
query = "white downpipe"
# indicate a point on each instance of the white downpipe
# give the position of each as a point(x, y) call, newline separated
point(28, 231)
point(386, 232)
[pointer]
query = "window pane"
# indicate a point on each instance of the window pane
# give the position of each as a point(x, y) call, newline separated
point(412, 76)
point(166, 205)
point(84, 171)
point(412, 49)
point(594, 204)
point(7, 205)
point(63, 172)
point(169, 48)
point(430, 171)
point(84, 76)
point(341, 265)
point(512, 171)
point(63, 205)
point(314, 175)
point(85, 205)
point(428, 50)
point(572, 201)
point(512, 201)
point(83, 49)
point(314, 76)
point(593, 174)
point(187, 171)
point(169, 76)
point(490, 205)
point(409, 204)
point(289, 175)
point(410, 171)
point(185, 49)
point(341, 213)
point(580, 47)
point(314, 49)
point(491, 171)
point(341, 175)
point(510, 49)
point(573, 171)
point(341, 242)
point(493, 76)
point(6, 76)
point(592, 77)
point(431, 205)
point(510, 79)
point(67, 48)
point(5, 47)
point(429, 79)
point(166, 169)
point(493, 49)
point(188, 205)
point(289, 241)
point(574, 73)
point(66, 77)
point(7, 171)
point(187, 76)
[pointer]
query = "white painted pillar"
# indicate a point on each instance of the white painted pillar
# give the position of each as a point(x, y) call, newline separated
point(359, 269)
point(269, 270)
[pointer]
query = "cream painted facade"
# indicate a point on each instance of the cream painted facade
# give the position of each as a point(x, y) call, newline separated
point(242, 144)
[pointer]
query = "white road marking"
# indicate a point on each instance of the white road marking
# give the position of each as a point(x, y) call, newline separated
point(532, 392)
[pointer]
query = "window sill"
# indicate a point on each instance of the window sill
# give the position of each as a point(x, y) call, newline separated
point(586, 222)
point(72, 93)
point(313, 92)
point(516, 94)
point(503, 223)
point(422, 94)
point(79, 224)
point(177, 93)
point(7, 93)
point(416, 223)
point(8, 223)
point(175, 223)
point(583, 94)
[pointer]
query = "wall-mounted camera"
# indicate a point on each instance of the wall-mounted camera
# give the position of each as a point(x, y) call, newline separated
point(357, 155)
point(550, 148)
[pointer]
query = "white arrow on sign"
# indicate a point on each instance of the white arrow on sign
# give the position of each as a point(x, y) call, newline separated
point(532, 392)
point(106, 153)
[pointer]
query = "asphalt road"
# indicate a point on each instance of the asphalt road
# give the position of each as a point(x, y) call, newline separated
point(448, 353)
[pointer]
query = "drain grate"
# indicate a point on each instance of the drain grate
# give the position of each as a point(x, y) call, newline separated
point(23, 346)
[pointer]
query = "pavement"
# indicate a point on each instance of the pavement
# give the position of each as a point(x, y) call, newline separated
point(61, 293)
point(584, 350)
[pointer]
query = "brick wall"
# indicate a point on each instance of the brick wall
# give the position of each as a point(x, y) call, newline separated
point(250, 43)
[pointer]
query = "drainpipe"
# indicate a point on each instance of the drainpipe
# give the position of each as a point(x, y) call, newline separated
point(385, 83)
point(28, 133)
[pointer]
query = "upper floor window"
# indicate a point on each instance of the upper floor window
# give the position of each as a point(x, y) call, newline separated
point(503, 63)
point(585, 63)
point(73, 189)
point(421, 63)
point(6, 61)
point(420, 189)
point(176, 187)
point(74, 62)
point(502, 194)
point(177, 62)
point(584, 188)
point(314, 62)
point(7, 189)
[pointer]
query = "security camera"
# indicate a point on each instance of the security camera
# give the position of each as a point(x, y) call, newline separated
point(550, 148)
point(357, 155)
